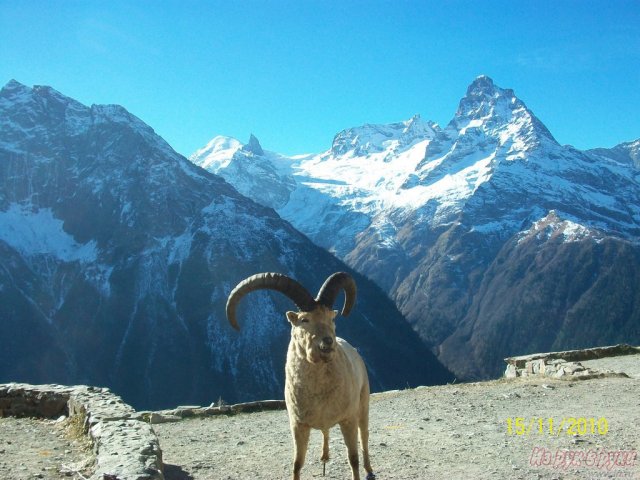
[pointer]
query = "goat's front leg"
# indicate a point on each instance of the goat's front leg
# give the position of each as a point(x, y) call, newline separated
point(325, 450)
point(350, 433)
point(300, 434)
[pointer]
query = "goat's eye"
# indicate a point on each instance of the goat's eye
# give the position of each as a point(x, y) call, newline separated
point(304, 320)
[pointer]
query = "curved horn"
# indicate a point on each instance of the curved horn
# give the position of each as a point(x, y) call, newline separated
point(270, 281)
point(331, 288)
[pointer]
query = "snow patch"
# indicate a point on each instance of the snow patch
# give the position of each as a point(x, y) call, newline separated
point(216, 154)
point(38, 232)
point(180, 247)
point(552, 226)
point(100, 275)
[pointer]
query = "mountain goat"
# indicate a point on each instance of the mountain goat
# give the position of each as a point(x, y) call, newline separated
point(326, 379)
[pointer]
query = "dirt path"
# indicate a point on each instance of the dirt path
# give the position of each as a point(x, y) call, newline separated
point(447, 432)
point(35, 448)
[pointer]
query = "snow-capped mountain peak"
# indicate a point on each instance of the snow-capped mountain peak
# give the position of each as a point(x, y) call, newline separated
point(494, 111)
point(418, 129)
point(378, 171)
point(16, 95)
point(253, 146)
point(266, 175)
point(484, 98)
point(66, 116)
point(14, 89)
point(456, 223)
point(371, 139)
point(627, 153)
point(218, 152)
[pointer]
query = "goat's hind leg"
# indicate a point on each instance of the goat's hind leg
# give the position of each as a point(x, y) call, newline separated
point(300, 435)
point(363, 424)
point(364, 444)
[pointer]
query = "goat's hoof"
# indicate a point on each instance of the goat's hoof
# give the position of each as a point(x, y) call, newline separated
point(371, 476)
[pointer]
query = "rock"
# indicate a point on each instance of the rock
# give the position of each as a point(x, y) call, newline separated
point(575, 355)
point(155, 418)
point(538, 366)
point(564, 364)
point(511, 371)
point(557, 361)
point(573, 367)
point(253, 146)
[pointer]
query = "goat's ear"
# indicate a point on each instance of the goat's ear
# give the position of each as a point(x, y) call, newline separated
point(293, 318)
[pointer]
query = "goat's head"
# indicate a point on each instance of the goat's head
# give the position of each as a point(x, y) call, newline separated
point(312, 327)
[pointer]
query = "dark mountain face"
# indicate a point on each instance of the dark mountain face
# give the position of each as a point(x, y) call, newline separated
point(549, 289)
point(117, 256)
point(442, 220)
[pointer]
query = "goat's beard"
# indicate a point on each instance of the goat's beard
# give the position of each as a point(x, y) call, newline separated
point(321, 356)
point(315, 355)
point(311, 351)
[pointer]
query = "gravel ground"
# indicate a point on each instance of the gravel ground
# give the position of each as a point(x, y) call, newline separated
point(453, 432)
point(448, 432)
point(35, 448)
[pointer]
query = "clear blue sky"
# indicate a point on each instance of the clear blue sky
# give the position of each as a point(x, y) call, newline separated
point(296, 72)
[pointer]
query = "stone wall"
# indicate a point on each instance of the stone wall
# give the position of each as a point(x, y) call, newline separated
point(126, 447)
point(565, 364)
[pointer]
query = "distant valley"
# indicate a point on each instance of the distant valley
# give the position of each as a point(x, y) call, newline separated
point(117, 255)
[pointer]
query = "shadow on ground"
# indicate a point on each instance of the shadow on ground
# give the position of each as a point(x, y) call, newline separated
point(174, 472)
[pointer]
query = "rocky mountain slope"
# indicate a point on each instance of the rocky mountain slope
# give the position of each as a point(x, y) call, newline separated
point(117, 255)
point(626, 153)
point(490, 236)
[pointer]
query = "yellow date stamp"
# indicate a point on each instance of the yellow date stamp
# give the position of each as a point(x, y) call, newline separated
point(557, 426)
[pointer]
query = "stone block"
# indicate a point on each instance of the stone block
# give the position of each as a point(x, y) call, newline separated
point(559, 373)
point(537, 366)
point(529, 367)
point(156, 418)
point(511, 371)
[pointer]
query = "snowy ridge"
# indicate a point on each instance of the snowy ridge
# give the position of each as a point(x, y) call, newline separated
point(626, 153)
point(379, 138)
point(476, 230)
point(217, 153)
point(551, 226)
point(261, 175)
point(376, 172)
